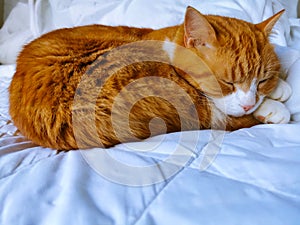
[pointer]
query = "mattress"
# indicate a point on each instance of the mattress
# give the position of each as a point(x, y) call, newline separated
point(249, 176)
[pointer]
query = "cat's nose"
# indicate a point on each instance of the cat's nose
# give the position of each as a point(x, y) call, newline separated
point(247, 107)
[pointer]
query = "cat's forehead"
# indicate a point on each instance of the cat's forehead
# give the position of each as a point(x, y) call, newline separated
point(243, 50)
point(229, 23)
point(237, 33)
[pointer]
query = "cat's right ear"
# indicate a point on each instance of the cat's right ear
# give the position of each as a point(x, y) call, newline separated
point(197, 30)
point(267, 25)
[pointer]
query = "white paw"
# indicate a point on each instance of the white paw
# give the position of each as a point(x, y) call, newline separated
point(271, 111)
point(282, 92)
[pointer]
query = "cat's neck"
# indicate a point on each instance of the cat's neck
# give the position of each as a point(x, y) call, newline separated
point(173, 34)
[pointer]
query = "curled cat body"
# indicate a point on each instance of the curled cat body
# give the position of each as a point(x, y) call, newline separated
point(97, 86)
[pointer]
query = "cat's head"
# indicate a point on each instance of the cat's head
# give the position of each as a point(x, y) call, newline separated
point(239, 55)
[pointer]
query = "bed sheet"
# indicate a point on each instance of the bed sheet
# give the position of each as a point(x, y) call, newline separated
point(250, 176)
point(257, 184)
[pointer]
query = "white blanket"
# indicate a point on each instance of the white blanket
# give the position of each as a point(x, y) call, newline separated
point(247, 177)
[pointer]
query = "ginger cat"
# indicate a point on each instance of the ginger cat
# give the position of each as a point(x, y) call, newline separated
point(81, 88)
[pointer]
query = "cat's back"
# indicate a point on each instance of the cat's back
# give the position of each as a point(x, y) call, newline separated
point(48, 72)
point(84, 39)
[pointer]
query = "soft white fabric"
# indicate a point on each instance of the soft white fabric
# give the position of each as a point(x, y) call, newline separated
point(289, 58)
point(15, 33)
point(295, 33)
point(294, 101)
point(247, 177)
point(254, 180)
point(291, 6)
point(46, 15)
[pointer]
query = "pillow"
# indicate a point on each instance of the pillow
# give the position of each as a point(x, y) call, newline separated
point(293, 79)
point(47, 15)
point(291, 7)
point(15, 33)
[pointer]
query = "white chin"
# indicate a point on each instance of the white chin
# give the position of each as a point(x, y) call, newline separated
point(237, 114)
point(240, 113)
point(233, 113)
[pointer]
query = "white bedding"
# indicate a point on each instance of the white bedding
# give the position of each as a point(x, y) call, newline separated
point(252, 178)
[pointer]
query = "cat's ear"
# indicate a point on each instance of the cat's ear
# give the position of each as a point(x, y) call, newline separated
point(267, 25)
point(197, 30)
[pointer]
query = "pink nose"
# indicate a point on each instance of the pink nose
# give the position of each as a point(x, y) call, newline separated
point(247, 107)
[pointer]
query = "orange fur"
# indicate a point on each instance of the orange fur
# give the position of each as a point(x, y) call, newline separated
point(50, 69)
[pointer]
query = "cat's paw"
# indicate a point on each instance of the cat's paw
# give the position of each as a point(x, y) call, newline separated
point(271, 111)
point(282, 91)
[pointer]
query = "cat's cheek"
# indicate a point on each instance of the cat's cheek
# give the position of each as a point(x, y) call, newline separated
point(229, 106)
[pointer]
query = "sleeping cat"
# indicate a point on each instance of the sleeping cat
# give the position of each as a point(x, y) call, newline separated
point(81, 88)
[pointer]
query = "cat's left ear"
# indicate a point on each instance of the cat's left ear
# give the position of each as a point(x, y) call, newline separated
point(267, 25)
point(197, 30)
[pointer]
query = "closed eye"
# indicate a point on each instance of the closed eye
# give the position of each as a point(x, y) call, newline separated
point(228, 82)
point(263, 81)
point(229, 85)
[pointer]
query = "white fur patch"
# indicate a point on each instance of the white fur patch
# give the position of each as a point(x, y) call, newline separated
point(235, 103)
point(272, 111)
point(169, 47)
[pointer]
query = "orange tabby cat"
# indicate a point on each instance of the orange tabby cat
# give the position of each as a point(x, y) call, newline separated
point(72, 90)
